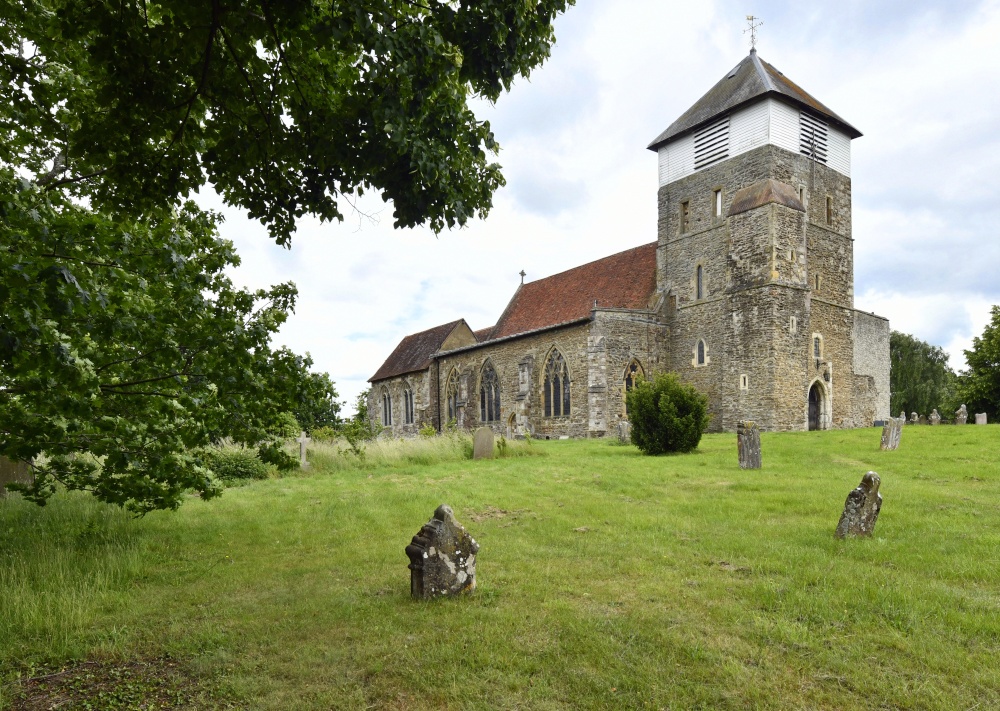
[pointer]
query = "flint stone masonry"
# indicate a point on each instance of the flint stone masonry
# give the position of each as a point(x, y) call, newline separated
point(980, 418)
point(748, 444)
point(961, 415)
point(935, 418)
point(892, 431)
point(442, 558)
point(483, 444)
point(13, 473)
point(861, 509)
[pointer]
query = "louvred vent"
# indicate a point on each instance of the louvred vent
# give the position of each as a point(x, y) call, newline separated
point(711, 144)
point(813, 136)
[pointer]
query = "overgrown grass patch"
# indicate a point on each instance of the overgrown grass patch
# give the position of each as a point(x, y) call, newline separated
point(606, 580)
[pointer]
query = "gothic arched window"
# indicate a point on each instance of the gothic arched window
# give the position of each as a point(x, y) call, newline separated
point(632, 374)
point(451, 395)
point(407, 404)
point(555, 391)
point(386, 408)
point(489, 395)
point(701, 352)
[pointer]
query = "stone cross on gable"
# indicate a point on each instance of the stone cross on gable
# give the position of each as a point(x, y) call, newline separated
point(303, 441)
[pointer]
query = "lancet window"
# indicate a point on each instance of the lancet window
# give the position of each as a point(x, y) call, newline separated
point(386, 408)
point(451, 395)
point(408, 404)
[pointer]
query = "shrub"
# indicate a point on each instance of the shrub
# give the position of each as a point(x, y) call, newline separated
point(428, 431)
point(666, 415)
point(324, 434)
point(235, 463)
point(286, 426)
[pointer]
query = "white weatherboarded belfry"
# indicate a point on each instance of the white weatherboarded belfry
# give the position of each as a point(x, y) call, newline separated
point(747, 294)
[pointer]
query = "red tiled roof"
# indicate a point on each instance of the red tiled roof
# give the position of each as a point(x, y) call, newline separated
point(483, 333)
point(414, 352)
point(625, 280)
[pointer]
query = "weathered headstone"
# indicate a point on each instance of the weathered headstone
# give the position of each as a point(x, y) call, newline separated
point(961, 415)
point(935, 418)
point(902, 416)
point(483, 443)
point(892, 431)
point(12, 472)
point(980, 418)
point(861, 508)
point(923, 420)
point(303, 441)
point(624, 431)
point(748, 444)
point(914, 418)
point(442, 557)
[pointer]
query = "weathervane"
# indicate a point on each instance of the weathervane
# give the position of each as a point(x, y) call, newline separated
point(754, 23)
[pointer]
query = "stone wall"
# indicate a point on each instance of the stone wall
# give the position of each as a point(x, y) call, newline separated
point(424, 402)
point(871, 368)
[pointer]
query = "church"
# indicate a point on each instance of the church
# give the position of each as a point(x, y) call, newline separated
point(747, 294)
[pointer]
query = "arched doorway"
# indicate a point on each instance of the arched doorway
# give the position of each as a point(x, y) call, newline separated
point(815, 401)
point(819, 410)
point(511, 426)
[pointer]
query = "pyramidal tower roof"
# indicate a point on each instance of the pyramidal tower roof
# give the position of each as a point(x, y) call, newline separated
point(751, 80)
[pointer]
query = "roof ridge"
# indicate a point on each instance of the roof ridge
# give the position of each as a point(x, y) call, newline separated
point(761, 72)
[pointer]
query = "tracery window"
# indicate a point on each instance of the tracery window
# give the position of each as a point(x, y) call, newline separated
point(489, 395)
point(408, 404)
point(386, 408)
point(555, 391)
point(632, 374)
point(451, 395)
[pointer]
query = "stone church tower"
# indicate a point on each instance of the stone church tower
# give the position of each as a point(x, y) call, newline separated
point(755, 257)
point(747, 293)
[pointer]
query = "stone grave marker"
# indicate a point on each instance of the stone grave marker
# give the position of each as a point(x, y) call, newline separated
point(914, 418)
point(892, 432)
point(303, 441)
point(861, 509)
point(483, 443)
point(902, 416)
point(961, 415)
point(935, 418)
point(980, 418)
point(624, 431)
point(442, 557)
point(12, 472)
point(748, 444)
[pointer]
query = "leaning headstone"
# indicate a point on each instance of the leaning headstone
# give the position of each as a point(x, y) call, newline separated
point(961, 415)
point(482, 444)
point(442, 557)
point(303, 441)
point(624, 431)
point(892, 431)
point(861, 509)
point(914, 418)
point(12, 472)
point(980, 418)
point(748, 444)
point(935, 418)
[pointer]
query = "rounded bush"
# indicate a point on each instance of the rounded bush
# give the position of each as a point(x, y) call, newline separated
point(666, 415)
point(235, 463)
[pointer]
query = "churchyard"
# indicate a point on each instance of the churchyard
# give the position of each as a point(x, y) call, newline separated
point(606, 580)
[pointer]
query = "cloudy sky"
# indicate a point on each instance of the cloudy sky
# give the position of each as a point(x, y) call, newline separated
point(919, 78)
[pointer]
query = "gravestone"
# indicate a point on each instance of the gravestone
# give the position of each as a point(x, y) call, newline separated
point(303, 441)
point(861, 509)
point(892, 431)
point(935, 418)
point(624, 431)
point(482, 444)
point(748, 444)
point(12, 472)
point(902, 416)
point(961, 415)
point(980, 418)
point(914, 418)
point(922, 421)
point(442, 557)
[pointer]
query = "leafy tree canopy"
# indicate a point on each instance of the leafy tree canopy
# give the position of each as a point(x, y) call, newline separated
point(979, 386)
point(285, 106)
point(920, 379)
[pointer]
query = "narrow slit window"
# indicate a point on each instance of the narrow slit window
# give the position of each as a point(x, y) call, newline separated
point(819, 282)
point(829, 210)
point(817, 347)
point(699, 288)
point(701, 352)
point(685, 215)
point(744, 382)
point(717, 202)
point(793, 324)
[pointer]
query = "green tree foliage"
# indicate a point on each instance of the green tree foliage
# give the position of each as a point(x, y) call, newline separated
point(124, 348)
point(319, 406)
point(666, 415)
point(979, 386)
point(285, 106)
point(920, 379)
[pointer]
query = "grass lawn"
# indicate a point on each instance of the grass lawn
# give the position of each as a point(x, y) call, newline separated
point(607, 580)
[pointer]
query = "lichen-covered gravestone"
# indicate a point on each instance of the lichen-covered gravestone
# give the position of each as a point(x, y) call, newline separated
point(902, 416)
point(748, 444)
point(624, 431)
point(483, 443)
point(961, 415)
point(892, 432)
point(980, 418)
point(914, 418)
point(12, 472)
point(861, 509)
point(935, 418)
point(442, 557)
